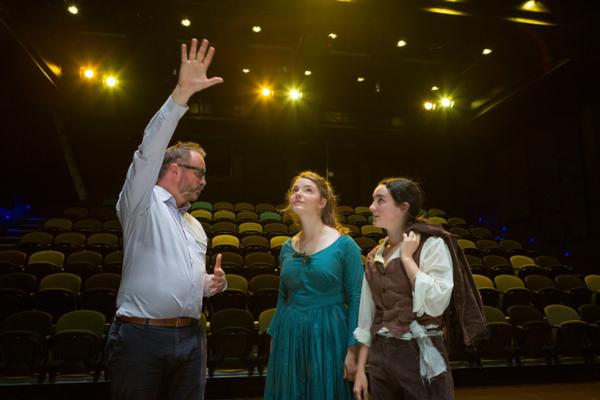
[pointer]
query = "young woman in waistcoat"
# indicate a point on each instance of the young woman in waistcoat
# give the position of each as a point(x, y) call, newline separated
point(407, 287)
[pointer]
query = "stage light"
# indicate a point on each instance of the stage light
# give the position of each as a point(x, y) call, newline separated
point(308, 72)
point(445, 11)
point(256, 29)
point(434, 88)
point(72, 8)
point(486, 51)
point(266, 92)
point(530, 21)
point(429, 106)
point(534, 6)
point(186, 22)
point(111, 81)
point(332, 35)
point(401, 43)
point(360, 79)
point(245, 70)
point(89, 73)
point(294, 94)
point(447, 102)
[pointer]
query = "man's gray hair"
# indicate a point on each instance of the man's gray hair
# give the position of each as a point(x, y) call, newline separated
point(180, 152)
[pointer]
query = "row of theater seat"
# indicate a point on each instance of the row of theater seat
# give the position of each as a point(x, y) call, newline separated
point(63, 292)
point(32, 346)
point(527, 335)
point(538, 290)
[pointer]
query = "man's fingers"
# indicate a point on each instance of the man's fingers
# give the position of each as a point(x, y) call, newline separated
point(209, 56)
point(184, 54)
point(202, 51)
point(193, 47)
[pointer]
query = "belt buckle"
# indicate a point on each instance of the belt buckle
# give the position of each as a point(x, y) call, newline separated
point(178, 320)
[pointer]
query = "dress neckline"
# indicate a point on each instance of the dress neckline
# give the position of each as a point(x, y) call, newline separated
point(316, 252)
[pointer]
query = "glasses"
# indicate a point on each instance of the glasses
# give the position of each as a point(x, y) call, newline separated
point(199, 172)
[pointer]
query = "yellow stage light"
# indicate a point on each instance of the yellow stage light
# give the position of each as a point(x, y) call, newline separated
point(294, 94)
point(332, 35)
point(256, 29)
point(447, 102)
point(89, 73)
point(245, 70)
point(111, 81)
point(445, 11)
point(72, 8)
point(401, 43)
point(534, 6)
point(308, 72)
point(486, 51)
point(266, 92)
point(360, 79)
point(186, 22)
point(429, 106)
point(434, 88)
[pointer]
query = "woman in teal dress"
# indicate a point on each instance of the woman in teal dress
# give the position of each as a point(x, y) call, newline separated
point(313, 352)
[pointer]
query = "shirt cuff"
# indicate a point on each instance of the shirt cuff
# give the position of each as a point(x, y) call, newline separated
point(363, 336)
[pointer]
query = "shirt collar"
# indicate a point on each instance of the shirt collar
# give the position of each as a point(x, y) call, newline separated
point(166, 197)
point(379, 253)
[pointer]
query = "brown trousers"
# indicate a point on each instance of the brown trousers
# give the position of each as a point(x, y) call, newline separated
point(394, 371)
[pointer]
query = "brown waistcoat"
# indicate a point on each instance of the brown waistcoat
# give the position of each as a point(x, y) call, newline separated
point(392, 295)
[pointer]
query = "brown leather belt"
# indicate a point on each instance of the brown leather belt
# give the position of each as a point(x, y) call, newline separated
point(179, 322)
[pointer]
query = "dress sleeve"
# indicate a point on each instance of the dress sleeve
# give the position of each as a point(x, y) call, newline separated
point(352, 280)
point(365, 315)
point(434, 282)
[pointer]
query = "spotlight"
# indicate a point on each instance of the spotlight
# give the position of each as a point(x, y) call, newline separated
point(447, 102)
point(429, 106)
point(434, 88)
point(256, 29)
point(245, 70)
point(308, 72)
point(111, 81)
point(401, 43)
point(89, 73)
point(72, 8)
point(360, 79)
point(486, 51)
point(332, 35)
point(294, 94)
point(266, 92)
point(186, 22)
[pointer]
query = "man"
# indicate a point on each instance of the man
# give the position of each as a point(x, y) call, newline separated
point(155, 347)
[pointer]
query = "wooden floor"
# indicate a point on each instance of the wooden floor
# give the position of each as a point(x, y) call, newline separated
point(557, 391)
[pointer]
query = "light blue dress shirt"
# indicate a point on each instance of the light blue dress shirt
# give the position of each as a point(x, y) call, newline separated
point(164, 272)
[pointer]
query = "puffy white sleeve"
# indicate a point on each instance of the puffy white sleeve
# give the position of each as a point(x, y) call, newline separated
point(434, 282)
point(366, 312)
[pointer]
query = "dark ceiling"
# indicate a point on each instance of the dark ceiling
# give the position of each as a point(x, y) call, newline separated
point(139, 40)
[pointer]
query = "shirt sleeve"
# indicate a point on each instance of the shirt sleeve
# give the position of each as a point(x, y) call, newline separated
point(353, 276)
point(147, 160)
point(366, 313)
point(434, 282)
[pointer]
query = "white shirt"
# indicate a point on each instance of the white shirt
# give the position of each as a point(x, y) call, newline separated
point(432, 291)
point(164, 272)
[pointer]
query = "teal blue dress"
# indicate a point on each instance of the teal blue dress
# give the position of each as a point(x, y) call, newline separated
point(317, 311)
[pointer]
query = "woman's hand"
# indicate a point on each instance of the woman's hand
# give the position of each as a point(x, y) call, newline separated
point(350, 365)
point(410, 244)
point(361, 385)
